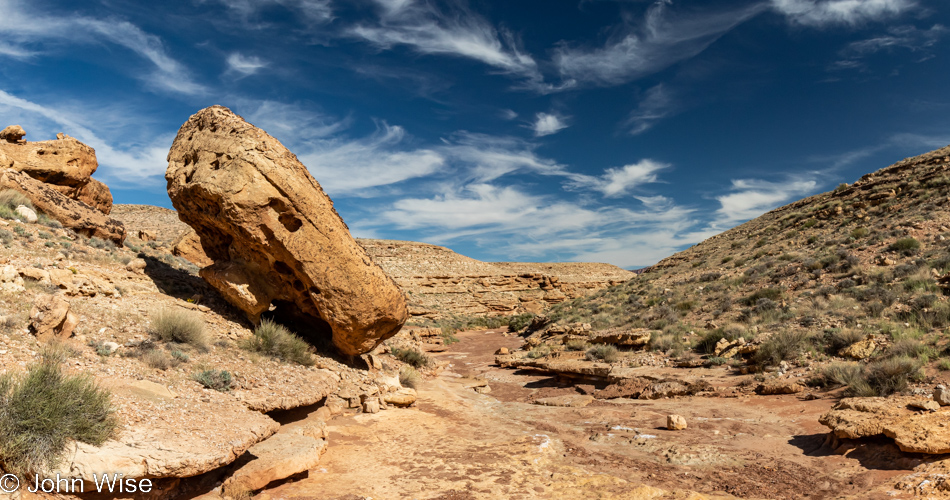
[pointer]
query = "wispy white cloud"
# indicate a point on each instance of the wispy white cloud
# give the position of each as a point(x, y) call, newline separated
point(313, 11)
point(486, 157)
point(349, 166)
point(909, 38)
point(244, 65)
point(661, 40)
point(657, 104)
point(616, 182)
point(547, 124)
point(24, 27)
point(818, 13)
point(462, 33)
point(752, 197)
point(122, 164)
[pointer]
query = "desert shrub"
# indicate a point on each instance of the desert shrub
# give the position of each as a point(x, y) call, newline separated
point(859, 232)
point(179, 356)
point(662, 342)
point(43, 410)
point(781, 346)
point(179, 325)
point(836, 339)
point(276, 341)
point(905, 246)
point(911, 348)
point(219, 380)
point(842, 374)
point(603, 352)
point(810, 223)
point(765, 293)
point(764, 304)
point(885, 377)
point(943, 365)
point(576, 345)
point(449, 338)
point(539, 351)
point(707, 277)
point(716, 361)
point(101, 244)
point(156, 358)
point(410, 356)
point(10, 199)
point(707, 343)
point(409, 377)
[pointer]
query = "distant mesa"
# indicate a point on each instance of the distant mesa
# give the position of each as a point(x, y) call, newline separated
point(278, 246)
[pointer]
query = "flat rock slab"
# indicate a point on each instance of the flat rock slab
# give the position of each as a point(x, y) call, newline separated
point(913, 431)
point(578, 401)
point(168, 437)
point(279, 457)
point(296, 387)
point(636, 337)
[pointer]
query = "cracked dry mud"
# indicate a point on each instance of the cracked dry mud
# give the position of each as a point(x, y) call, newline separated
point(459, 444)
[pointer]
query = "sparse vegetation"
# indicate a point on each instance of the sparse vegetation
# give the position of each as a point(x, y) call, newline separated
point(275, 340)
point(409, 377)
point(603, 352)
point(219, 380)
point(179, 325)
point(44, 409)
point(410, 356)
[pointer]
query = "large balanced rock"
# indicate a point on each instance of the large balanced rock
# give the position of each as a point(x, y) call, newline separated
point(12, 134)
point(274, 235)
point(66, 164)
point(70, 213)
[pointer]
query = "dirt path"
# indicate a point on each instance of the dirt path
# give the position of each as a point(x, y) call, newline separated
point(459, 444)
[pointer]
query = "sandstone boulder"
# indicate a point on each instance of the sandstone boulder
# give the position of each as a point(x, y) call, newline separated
point(274, 235)
point(188, 247)
point(859, 350)
point(942, 395)
point(51, 318)
point(779, 386)
point(895, 417)
point(70, 213)
point(65, 161)
point(675, 422)
point(10, 280)
point(93, 193)
point(635, 337)
point(278, 457)
point(12, 134)
point(27, 214)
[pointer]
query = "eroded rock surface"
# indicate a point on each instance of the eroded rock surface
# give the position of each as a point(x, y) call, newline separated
point(65, 164)
point(274, 235)
point(70, 213)
point(899, 418)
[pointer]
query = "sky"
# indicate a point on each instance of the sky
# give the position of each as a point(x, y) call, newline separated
point(617, 131)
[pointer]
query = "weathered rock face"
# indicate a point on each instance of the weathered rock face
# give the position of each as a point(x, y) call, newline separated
point(274, 235)
point(66, 164)
point(188, 246)
point(12, 134)
point(443, 282)
point(72, 214)
point(896, 417)
point(51, 318)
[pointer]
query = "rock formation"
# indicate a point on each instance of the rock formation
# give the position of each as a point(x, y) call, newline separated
point(65, 164)
point(51, 318)
point(12, 134)
point(442, 282)
point(70, 213)
point(897, 417)
point(275, 236)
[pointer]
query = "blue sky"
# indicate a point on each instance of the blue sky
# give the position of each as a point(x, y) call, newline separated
point(541, 130)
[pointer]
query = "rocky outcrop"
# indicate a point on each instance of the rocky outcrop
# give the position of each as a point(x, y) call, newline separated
point(275, 236)
point(70, 213)
point(65, 164)
point(12, 134)
point(898, 418)
point(50, 318)
point(442, 282)
point(188, 247)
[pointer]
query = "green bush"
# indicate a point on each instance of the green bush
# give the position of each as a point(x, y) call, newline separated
point(859, 232)
point(219, 380)
point(603, 352)
point(179, 325)
point(410, 356)
point(409, 377)
point(906, 246)
point(156, 358)
point(773, 294)
point(11, 199)
point(539, 351)
point(45, 409)
point(887, 376)
point(276, 341)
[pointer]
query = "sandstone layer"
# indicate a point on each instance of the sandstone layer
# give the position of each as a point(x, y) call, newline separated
point(65, 164)
point(274, 235)
point(441, 282)
point(70, 213)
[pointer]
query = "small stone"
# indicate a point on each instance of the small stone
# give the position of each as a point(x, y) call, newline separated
point(136, 266)
point(371, 406)
point(675, 422)
point(942, 395)
point(925, 405)
point(502, 351)
point(26, 213)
